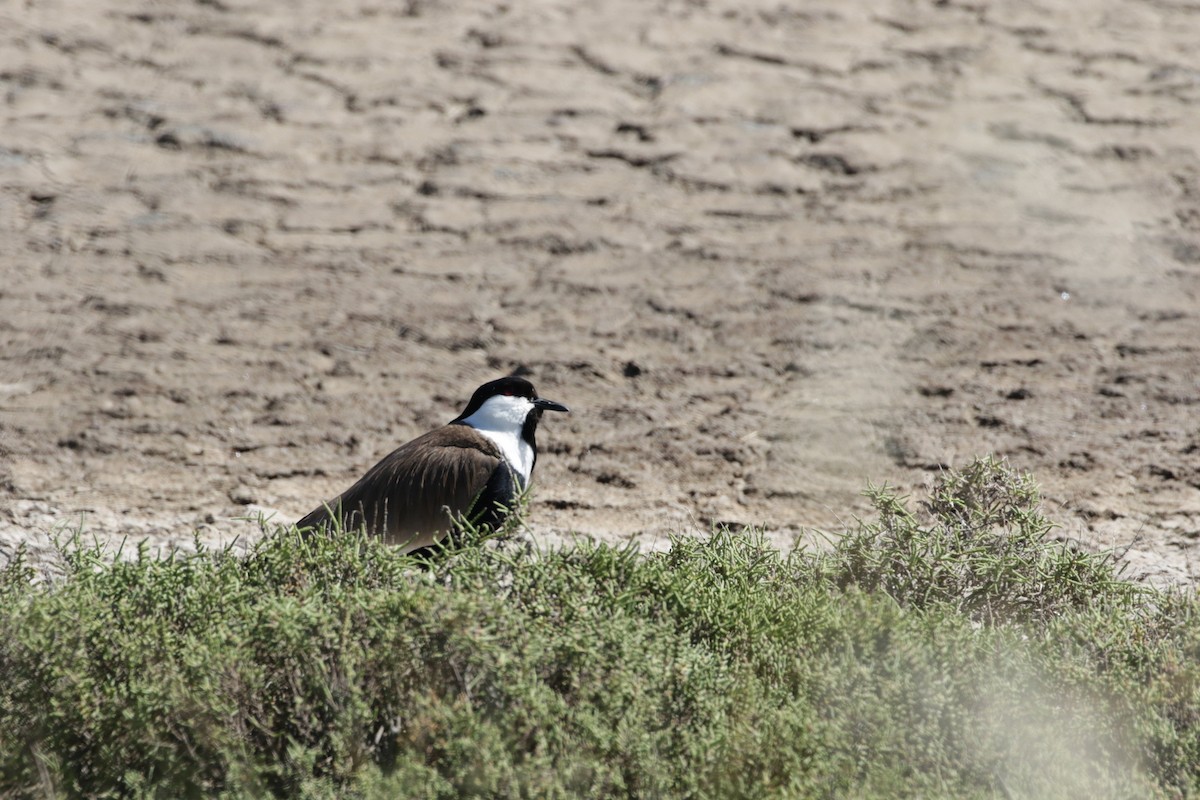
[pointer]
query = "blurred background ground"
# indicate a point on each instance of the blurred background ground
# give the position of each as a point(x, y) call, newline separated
point(766, 252)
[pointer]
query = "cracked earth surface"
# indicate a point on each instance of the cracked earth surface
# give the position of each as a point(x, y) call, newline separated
point(766, 253)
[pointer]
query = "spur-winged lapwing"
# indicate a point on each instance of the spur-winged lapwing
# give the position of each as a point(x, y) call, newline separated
point(473, 468)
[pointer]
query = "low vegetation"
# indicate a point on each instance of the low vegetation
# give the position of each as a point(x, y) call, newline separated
point(955, 650)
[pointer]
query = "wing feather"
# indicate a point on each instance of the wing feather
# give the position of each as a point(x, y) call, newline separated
point(412, 495)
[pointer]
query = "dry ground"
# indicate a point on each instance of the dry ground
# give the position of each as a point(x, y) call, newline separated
point(766, 252)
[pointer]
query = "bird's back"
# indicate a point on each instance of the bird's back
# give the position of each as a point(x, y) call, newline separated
point(412, 497)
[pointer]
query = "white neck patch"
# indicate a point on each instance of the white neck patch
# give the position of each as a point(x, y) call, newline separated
point(501, 419)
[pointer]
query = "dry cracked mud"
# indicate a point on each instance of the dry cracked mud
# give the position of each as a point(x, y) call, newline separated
point(766, 252)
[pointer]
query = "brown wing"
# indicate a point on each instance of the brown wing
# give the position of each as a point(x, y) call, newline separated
point(411, 495)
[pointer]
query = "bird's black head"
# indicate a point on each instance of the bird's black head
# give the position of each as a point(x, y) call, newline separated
point(510, 386)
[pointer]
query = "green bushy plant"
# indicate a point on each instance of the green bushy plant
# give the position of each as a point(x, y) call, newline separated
point(982, 545)
point(955, 652)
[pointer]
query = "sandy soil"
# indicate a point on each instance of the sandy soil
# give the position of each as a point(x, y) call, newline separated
point(766, 252)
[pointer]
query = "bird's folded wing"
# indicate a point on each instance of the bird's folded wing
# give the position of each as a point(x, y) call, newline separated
point(411, 496)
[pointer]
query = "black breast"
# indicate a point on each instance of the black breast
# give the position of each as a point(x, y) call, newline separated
point(499, 496)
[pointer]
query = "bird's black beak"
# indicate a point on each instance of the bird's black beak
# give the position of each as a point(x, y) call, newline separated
point(549, 405)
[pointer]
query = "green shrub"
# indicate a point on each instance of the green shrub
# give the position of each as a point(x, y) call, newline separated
point(955, 653)
point(982, 548)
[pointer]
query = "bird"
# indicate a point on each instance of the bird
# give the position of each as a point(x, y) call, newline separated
point(473, 468)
